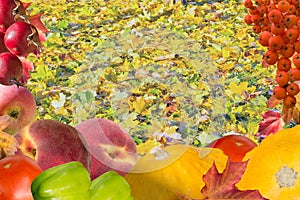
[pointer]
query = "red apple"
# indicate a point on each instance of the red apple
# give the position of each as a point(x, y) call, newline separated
point(10, 12)
point(11, 69)
point(111, 147)
point(2, 45)
point(22, 38)
point(19, 104)
point(52, 143)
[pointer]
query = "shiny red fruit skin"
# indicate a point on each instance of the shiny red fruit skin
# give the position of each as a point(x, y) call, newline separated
point(2, 45)
point(22, 38)
point(234, 146)
point(11, 68)
point(10, 12)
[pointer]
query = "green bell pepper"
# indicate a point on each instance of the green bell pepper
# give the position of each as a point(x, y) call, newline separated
point(68, 181)
point(110, 186)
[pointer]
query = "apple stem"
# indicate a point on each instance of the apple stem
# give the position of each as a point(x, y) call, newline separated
point(15, 82)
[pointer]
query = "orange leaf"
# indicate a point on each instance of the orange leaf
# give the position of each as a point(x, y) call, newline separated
point(272, 102)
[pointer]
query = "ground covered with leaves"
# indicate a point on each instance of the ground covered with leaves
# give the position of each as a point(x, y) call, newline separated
point(160, 70)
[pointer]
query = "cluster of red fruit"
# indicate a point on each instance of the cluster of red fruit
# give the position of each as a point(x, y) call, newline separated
point(277, 23)
point(18, 38)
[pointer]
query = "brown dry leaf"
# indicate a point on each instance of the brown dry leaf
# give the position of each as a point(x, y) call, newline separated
point(8, 144)
point(287, 114)
point(296, 111)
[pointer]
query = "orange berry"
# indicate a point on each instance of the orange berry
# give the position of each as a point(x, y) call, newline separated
point(292, 34)
point(287, 50)
point(290, 20)
point(289, 101)
point(255, 19)
point(293, 10)
point(276, 42)
point(248, 4)
point(271, 57)
point(275, 1)
point(282, 78)
point(248, 19)
point(277, 29)
point(296, 3)
point(279, 92)
point(284, 64)
point(275, 16)
point(256, 28)
point(253, 10)
point(296, 60)
point(262, 10)
point(266, 28)
point(264, 37)
point(271, 7)
point(264, 21)
point(285, 38)
point(283, 6)
point(292, 89)
point(258, 2)
point(295, 74)
point(297, 46)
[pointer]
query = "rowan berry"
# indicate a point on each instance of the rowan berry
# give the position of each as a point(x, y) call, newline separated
point(271, 57)
point(292, 89)
point(279, 92)
point(284, 64)
point(264, 37)
point(275, 16)
point(276, 42)
point(282, 78)
point(289, 101)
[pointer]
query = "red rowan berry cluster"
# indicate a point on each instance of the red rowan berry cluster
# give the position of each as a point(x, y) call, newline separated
point(277, 23)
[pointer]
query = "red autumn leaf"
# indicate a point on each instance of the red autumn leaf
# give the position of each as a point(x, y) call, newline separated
point(27, 67)
point(36, 21)
point(271, 124)
point(26, 4)
point(222, 185)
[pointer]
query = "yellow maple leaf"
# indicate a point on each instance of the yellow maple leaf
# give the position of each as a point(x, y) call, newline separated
point(139, 105)
point(147, 146)
point(239, 88)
